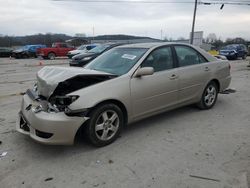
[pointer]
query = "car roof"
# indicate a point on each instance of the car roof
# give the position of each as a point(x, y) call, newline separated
point(151, 44)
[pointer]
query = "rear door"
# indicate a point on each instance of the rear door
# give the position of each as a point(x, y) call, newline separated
point(158, 91)
point(194, 72)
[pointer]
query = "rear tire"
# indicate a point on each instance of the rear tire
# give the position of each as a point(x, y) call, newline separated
point(209, 96)
point(245, 56)
point(105, 124)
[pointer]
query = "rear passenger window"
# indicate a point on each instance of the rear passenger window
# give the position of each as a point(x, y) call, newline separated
point(187, 56)
point(160, 59)
point(64, 45)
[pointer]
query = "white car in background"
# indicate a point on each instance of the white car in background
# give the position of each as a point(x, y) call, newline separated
point(81, 49)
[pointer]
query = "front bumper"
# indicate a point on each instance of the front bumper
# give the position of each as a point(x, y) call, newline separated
point(47, 127)
point(74, 63)
point(70, 56)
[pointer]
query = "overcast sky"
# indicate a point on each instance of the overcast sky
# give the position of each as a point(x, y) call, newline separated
point(25, 17)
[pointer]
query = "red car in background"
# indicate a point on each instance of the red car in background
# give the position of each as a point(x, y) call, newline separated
point(58, 49)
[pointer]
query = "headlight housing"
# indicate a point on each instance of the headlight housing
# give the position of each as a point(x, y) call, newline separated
point(86, 58)
point(65, 100)
point(61, 102)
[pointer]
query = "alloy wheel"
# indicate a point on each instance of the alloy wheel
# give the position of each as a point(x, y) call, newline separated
point(210, 95)
point(107, 125)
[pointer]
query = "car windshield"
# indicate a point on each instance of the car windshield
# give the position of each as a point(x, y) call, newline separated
point(82, 47)
point(99, 49)
point(230, 47)
point(117, 61)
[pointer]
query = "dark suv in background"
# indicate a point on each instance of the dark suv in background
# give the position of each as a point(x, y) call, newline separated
point(233, 51)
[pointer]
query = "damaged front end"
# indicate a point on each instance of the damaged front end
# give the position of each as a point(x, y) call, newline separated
point(45, 115)
point(54, 85)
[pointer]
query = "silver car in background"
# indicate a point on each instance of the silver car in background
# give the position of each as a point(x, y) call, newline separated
point(123, 85)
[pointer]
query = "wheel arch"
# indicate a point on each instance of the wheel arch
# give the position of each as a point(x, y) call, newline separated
point(216, 81)
point(80, 130)
point(116, 102)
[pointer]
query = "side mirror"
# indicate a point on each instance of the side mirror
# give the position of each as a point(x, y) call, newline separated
point(144, 71)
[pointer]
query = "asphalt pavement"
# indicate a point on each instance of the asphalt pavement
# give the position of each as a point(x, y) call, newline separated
point(183, 148)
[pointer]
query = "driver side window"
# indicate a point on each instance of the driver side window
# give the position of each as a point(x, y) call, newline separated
point(160, 59)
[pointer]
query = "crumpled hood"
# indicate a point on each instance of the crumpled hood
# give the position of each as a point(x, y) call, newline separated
point(49, 77)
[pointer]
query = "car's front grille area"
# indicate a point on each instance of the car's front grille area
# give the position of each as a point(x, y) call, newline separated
point(43, 134)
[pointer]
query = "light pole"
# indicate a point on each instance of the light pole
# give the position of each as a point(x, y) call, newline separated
point(192, 32)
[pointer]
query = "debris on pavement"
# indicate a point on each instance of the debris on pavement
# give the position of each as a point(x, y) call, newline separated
point(204, 178)
point(228, 91)
point(111, 161)
point(84, 182)
point(48, 179)
point(1, 142)
point(3, 154)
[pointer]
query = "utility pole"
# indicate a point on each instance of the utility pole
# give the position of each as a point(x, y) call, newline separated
point(192, 32)
point(93, 30)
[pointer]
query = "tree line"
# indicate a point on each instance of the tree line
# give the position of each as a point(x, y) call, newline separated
point(47, 39)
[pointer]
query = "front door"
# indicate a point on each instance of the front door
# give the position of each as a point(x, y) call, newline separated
point(155, 92)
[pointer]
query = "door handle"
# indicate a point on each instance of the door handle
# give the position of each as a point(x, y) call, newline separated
point(173, 77)
point(207, 69)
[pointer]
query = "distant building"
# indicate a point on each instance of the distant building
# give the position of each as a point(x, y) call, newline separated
point(77, 41)
point(80, 35)
point(127, 39)
point(122, 39)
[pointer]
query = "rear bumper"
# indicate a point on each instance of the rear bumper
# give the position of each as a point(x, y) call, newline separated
point(48, 128)
point(224, 83)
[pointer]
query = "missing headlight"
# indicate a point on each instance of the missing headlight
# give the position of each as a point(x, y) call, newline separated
point(65, 100)
point(61, 102)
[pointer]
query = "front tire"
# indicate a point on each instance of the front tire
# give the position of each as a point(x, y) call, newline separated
point(105, 124)
point(209, 96)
